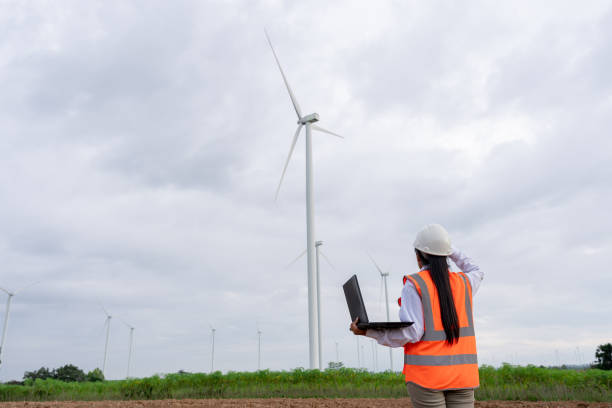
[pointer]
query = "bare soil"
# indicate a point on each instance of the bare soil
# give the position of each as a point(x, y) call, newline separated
point(290, 402)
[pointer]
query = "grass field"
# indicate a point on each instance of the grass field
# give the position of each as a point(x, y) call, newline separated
point(505, 383)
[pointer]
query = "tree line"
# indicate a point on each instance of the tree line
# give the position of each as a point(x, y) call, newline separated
point(71, 373)
point(67, 373)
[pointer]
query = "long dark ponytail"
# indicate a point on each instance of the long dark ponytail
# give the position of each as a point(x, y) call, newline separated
point(438, 270)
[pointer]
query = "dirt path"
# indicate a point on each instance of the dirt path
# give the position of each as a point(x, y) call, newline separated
point(289, 402)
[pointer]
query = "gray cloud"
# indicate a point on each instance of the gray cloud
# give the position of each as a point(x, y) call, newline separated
point(142, 145)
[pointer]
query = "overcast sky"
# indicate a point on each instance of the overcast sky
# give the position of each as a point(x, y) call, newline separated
point(141, 144)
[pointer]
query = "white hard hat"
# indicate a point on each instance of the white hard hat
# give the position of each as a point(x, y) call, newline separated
point(433, 239)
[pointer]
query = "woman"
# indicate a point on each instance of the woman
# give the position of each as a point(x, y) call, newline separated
point(440, 363)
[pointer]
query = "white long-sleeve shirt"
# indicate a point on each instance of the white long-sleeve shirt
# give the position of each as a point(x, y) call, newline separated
point(412, 307)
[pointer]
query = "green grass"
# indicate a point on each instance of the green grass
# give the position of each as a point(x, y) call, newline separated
point(505, 383)
point(544, 384)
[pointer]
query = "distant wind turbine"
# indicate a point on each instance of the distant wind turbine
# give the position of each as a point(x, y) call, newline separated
point(383, 277)
point(131, 346)
point(374, 355)
point(307, 121)
point(318, 273)
point(358, 354)
point(258, 349)
point(7, 312)
point(212, 356)
point(363, 354)
point(337, 353)
point(107, 324)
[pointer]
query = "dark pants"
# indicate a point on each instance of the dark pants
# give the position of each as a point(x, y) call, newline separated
point(426, 398)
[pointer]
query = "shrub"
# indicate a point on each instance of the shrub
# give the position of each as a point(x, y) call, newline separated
point(95, 375)
point(604, 357)
point(69, 373)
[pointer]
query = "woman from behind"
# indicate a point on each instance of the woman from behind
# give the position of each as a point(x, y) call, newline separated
point(440, 362)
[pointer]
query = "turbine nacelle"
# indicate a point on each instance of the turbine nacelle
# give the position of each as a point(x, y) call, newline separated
point(382, 274)
point(312, 118)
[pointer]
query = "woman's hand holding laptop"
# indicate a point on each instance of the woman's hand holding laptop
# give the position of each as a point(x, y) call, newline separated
point(356, 329)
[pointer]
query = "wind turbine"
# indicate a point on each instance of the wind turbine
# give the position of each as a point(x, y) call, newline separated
point(317, 252)
point(6, 313)
point(358, 355)
point(212, 357)
point(258, 349)
point(364, 358)
point(307, 121)
point(383, 277)
point(337, 354)
point(131, 347)
point(107, 324)
point(374, 355)
point(319, 331)
point(6, 316)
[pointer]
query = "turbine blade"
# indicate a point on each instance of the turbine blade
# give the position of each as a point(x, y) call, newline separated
point(296, 105)
point(296, 259)
point(295, 138)
point(320, 129)
point(376, 265)
point(27, 286)
point(7, 292)
point(327, 260)
point(124, 322)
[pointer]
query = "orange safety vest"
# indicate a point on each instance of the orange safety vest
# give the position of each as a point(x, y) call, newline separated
point(431, 362)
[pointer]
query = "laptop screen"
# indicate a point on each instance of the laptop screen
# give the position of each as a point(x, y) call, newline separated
point(354, 300)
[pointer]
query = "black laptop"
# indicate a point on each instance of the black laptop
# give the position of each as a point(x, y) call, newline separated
point(357, 308)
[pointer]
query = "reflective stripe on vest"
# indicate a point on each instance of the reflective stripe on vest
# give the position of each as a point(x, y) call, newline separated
point(432, 362)
point(453, 359)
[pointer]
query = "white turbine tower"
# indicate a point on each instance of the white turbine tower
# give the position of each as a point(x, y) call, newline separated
point(383, 277)
point(6, 314)
point(258, 349)
point(318, 273)
point(107, 324)
point(212, 355)
point(358, 354)
point(337, 353)
point(319, 331)
point(308, 122)
point(364, 358)
point(374, 355)
point(131, 347)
